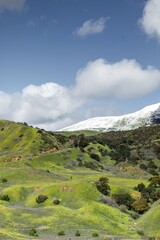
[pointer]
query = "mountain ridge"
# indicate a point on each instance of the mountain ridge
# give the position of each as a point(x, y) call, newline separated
point(147, 116)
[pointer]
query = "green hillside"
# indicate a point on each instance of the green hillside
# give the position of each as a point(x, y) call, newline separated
point(59, 186)
point(149, 222)
point(18, 140)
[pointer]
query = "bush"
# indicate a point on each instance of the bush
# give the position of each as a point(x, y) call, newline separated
point(103, 151)
point(140, 187)
point(140, 206)
point(134, 215)
point(103, 186)
point(56, 201)
point(77, 234)
point(143, 166)
point(4, 198)
point(83, 141)
point(4, 180)
point(92, 165)
point(72, 164)
point(95, 156)
point(123, 208)
point(61, 233)
point(95, 234)
point(41, 198)
point(120, 153)
point(140, 232)
point(155, 181)
point(107, 200)
point(123, 199)
point(153, 172)
point(152, 165)
point(33, 232)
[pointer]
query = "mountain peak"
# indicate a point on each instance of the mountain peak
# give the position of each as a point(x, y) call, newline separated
point(147, 116)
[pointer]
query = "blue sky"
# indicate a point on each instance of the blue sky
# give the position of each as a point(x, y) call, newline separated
point(62, 61)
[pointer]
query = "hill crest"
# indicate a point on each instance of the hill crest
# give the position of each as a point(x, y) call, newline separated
point(147, 116)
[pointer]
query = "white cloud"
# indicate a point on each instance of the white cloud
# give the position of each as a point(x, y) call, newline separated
point(47, 105)
point(91, 27)
point(52, 106)
point(124, 79)
point(12, 4)
point(150, 21)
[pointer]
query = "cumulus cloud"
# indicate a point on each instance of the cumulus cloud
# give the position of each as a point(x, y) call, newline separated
point(123, 79)
point(47, 105)
point(12, 4)
point(91, 27)
point(150, 21)
point(52, 106)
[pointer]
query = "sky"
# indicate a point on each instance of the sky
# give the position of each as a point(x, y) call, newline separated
point(63, 61)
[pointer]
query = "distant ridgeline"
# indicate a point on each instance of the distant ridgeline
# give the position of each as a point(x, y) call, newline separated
point(147, 116)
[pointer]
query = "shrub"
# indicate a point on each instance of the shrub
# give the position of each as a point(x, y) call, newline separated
point(82, 149)
point(95, 156)
point(61, 233)
point(107, 200)
point(83, 141)
point(120, 153)
point(33, 232)
point(140, 187)
point(153, 171)
point(4, 180)
point(77, 234)
point(95, 234)
point(41, 198)
point(103, 151)
point(152, 165)
point(140, 232)
point(140, 206)
point(123, 199)
point(143, 166)
point(155, 181)
point(91, 165)
point(72, 164)
point(4, 198)
point(103, 186)
point(56, 201)
point(39, 131)
point(134, 215)
point(123, 208)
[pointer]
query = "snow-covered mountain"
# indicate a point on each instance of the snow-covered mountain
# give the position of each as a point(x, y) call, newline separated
point(145, 117)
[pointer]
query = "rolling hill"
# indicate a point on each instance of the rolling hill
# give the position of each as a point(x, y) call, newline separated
point(54, 185)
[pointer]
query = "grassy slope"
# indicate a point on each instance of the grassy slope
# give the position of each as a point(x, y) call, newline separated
point(18, 140)
point(149, 222)
point(52, 175)
point(79, 208)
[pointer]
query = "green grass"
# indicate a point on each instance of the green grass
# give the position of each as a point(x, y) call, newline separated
point(58, 175)
point(79, 208)
point(85, 132)
point(18, 140)
point(150, 221)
